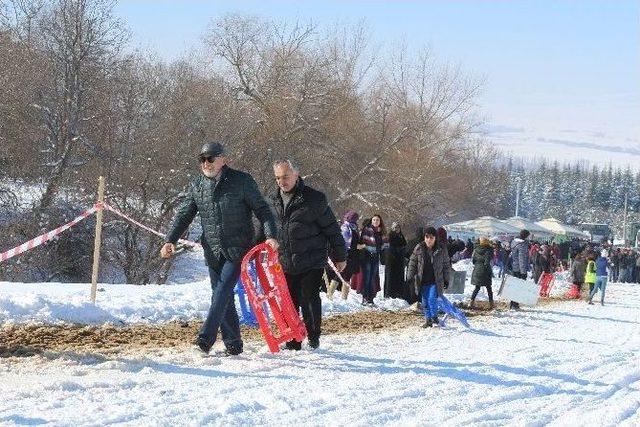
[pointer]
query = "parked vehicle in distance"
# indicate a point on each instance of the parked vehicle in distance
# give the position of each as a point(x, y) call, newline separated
point(598, 232)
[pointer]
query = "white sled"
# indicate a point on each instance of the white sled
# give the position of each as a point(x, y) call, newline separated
point(519, 290)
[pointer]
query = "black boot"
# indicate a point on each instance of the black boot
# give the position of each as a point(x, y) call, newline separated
point(293, 345)
point(428, 323)
point(203, 345)
point(232, 351)
point(314, 342)
point(435, 321)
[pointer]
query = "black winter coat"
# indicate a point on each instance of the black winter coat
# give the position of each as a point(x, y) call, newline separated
point(578, 269)
point(307, 230)
point(394, 266)
point(439, 260)
point(482, 272)
point(225, 209)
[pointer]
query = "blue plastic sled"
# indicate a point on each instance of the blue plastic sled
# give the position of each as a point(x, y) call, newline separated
point(247, 317)
point(450, 310)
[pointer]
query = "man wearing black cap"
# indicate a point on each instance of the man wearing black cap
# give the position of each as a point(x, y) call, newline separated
point(225, 198)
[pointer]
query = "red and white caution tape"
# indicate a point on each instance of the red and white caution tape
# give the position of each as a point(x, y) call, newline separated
point(49, 235)
point(157, 233)
point(335, 269)
point(46, 236)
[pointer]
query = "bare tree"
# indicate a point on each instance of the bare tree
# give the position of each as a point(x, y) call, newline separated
point(417, 120)
point(81, 40)
point(20, 17)
point(288, 77)
point(395, 136)
point(390, 140)
point(22, 71)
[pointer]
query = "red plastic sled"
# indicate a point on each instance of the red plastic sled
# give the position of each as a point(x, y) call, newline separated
point(271, 289)
point(545, 282)
point(574, 292)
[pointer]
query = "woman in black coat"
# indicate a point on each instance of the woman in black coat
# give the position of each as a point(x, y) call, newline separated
point(543, 263)
point(394, 264)
point(482, 271)
point(409, 289)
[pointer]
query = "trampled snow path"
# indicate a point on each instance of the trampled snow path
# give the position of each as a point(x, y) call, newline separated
point(564, 364)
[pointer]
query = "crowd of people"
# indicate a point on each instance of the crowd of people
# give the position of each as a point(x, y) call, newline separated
point(296, 220)
point(590, 265)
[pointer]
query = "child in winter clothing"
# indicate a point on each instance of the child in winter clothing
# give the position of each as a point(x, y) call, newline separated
point(590, 273)
point(578, 270)
point(601, 276)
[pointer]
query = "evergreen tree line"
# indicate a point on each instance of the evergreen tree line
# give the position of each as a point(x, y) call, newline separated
point(571, 192)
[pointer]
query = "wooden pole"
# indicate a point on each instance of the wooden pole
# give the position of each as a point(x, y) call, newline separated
point(97, 242)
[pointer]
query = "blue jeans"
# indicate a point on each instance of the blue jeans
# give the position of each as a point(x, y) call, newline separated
point(601, 283)
point(500, 265)
point(371, 270)
point(622, 275)
point(222, 313)
point(429, 300)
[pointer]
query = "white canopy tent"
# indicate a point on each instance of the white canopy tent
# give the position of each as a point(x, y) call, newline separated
point(556, 227)
point(536, 230)
point(483, 226)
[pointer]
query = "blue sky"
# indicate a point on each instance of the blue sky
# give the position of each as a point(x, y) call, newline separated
point(550, 66)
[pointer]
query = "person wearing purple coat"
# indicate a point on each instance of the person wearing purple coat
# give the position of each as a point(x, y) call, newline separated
point(351, 237)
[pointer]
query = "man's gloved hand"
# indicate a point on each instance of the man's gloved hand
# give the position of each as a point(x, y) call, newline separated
point(446, 285)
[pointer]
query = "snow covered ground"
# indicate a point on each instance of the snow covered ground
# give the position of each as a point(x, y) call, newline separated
point(58, 303)
point(187, 297)
point(567, 363)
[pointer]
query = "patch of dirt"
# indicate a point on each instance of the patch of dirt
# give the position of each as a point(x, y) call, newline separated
point(29, 340)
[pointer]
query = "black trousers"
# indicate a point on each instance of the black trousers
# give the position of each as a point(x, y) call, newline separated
point(305, 294)
point(522, 276)
point(489, 293)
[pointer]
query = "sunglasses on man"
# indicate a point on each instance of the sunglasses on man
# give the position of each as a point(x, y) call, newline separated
point(209, 159)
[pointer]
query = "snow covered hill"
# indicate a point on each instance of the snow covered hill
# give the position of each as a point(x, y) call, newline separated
point(567, 363)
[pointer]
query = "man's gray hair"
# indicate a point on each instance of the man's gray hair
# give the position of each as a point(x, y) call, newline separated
point(292, 164)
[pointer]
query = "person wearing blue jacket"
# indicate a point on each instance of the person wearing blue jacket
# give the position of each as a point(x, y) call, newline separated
point(601, 276)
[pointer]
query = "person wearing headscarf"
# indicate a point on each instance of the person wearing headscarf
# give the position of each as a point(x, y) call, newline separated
point(394, 264)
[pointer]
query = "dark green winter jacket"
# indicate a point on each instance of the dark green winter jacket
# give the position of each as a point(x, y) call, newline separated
point(225, 208)
point(482, 272)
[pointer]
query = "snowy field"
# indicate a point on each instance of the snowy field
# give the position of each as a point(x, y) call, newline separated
point(186, 298)
point(566, 363)
point(58, 303)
